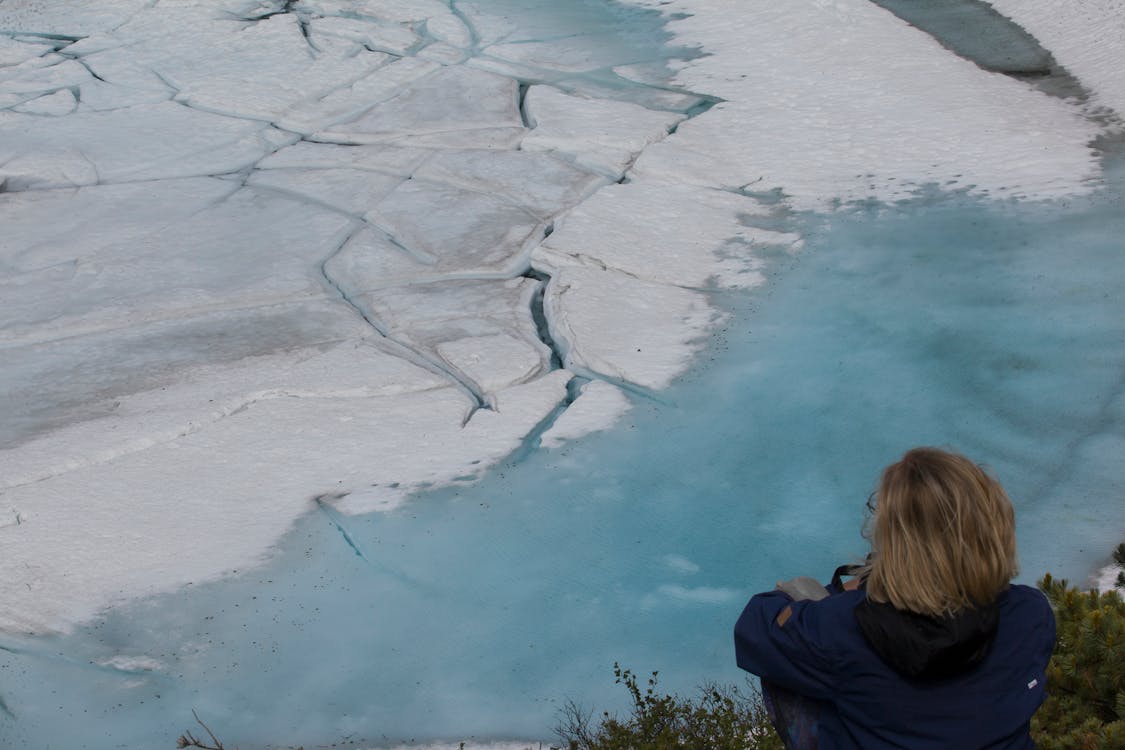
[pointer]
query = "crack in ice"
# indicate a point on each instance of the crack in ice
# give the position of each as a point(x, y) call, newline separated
point(478, 399)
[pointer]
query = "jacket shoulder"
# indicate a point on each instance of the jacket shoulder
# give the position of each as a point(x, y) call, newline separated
point(1027, 598)
point(1028, 611)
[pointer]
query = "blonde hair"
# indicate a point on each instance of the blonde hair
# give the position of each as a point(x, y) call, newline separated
point(943, 535)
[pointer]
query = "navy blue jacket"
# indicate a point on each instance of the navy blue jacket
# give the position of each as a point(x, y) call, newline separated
point(821, 652)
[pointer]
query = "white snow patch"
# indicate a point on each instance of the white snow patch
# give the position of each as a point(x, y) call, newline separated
point(626, 329)
point(538, 181)
point(626, 267)
point(834, 101)
point(675, 234)
point(598, 407)
point(1106, 578)
point(675, 594)
point(451, 107)
point(482, 328)
point(452, 232)
point(443, 54)
point(701, 594)
point(393, 160)
point(13, 52)
point(99, 96)
point(350, 191)
point(451, 30)
point(391, 38)
point(132, 664)
point(1087, 38)
point(60, 103)
point(145, 142)
point(391, 11)
point(349, 102)
point(427, 452)
point(155, 384)
point(494, 361)
point(681, 564)
point(78, 19)
point(249, 250)
point(49, 229)
point(264, 70)
point(600, 135)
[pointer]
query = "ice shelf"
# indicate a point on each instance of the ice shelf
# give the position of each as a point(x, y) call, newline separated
point(259, 234)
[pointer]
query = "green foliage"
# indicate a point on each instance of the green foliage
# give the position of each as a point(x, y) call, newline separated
point(720, 718)
point(1085, 708)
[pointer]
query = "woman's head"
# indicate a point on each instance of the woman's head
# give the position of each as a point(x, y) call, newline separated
point(942, 535)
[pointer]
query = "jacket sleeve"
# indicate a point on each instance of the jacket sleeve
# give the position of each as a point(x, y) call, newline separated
point(791, 654)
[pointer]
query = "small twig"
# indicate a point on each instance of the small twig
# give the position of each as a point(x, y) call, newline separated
point(213, 737)
point(187, 739)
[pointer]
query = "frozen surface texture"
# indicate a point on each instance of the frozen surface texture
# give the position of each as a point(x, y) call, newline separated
point(864, 107)
point(258, 253)
point(1088, 39)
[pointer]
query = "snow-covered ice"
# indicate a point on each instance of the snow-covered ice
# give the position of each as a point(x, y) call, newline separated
point(584, 306)
point(616, 230)
point(208, 207)
point(539, 181)
point(1088, 40)
point(867, 107)
point(604, 136)
point(598, 407)
point(455, 107)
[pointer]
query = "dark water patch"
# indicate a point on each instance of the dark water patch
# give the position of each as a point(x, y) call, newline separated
point(978, 32)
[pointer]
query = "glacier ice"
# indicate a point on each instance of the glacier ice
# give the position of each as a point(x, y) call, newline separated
point(200, 199)
point(538, 181)
point(454, 107)
point(586, 307)
point(604, 136)
point(483, 329)
point(614, 230)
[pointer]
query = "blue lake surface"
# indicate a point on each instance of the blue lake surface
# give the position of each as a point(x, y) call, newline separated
point(993, 327)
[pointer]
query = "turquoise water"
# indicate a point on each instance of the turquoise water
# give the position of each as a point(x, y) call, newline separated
point(993, 328)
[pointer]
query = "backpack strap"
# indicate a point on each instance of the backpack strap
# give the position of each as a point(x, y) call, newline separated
point(842, 572)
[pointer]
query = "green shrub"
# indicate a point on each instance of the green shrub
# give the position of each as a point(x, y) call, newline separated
point(1085, 707)
point(719, 718)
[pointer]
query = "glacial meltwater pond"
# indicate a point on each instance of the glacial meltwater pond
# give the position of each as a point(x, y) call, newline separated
point(940, 315)
point(992, 327)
